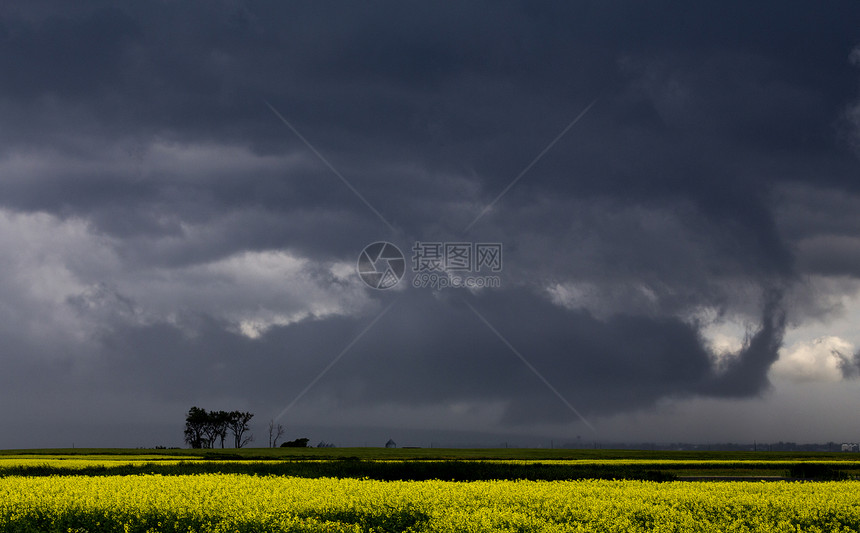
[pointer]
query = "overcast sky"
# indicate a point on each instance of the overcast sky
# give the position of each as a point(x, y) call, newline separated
point(186, 189)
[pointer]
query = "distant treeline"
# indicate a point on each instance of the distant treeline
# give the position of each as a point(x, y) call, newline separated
point(204, 428)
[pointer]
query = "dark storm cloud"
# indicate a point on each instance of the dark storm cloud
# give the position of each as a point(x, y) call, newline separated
point(746, 373)
point(702, 179)
point(430, 351)
point(351, 77)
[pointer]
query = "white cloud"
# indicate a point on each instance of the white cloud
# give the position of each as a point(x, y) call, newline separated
point(251, 290)
point(60, 282)
point(605, 299)
point(818, 360)
point(41, 258)
point(274, 288)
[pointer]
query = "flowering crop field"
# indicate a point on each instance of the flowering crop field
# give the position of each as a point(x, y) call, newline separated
point(84, 461)
point(245, 503)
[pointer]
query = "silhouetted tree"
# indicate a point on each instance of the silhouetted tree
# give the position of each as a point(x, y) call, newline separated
point(203, 429)
point(196, 423)
point(220, 422)
point(238, 425)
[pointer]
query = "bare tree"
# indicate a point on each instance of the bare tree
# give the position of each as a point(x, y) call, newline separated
point(275, 433)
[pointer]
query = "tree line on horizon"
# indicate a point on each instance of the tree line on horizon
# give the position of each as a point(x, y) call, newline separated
point(204, 428)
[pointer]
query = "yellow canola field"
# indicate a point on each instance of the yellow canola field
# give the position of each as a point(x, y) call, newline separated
point(243, 503)
point(89, 461)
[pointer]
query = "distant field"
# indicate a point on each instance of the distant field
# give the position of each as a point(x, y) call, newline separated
point(428, 464)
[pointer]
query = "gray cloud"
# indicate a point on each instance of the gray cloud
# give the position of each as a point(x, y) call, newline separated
point(850, 365)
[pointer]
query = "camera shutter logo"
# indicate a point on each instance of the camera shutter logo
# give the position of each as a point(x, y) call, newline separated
point(381, 265)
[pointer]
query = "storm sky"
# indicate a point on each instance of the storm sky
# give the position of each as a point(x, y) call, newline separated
point(186, 189)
